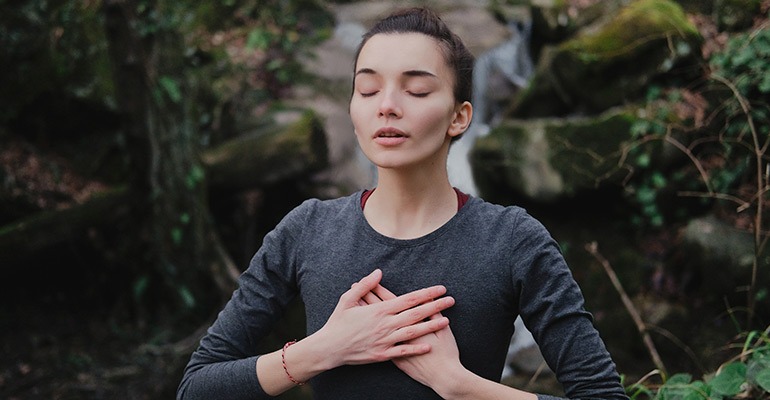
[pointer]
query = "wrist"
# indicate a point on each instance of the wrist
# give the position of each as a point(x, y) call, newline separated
point(321, 351)
point(455, 383)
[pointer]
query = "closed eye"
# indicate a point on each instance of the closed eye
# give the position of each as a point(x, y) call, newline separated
point(419, 94)
point(367, 94)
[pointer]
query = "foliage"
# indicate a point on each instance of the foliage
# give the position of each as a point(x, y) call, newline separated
point(51, 47)
point(720, 129)
point(745, 65)
point(746, 376)
point(723, 131)
point(250, 48)
point(262, 39)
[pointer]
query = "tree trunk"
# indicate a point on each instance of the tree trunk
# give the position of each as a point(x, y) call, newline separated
point(167, 188)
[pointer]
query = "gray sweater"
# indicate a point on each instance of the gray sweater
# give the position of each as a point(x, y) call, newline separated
point(497, 262)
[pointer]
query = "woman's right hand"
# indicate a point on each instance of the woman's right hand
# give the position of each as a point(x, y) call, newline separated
point(361, 333)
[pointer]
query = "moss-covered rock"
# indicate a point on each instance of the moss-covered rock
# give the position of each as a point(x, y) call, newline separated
point(544, 160)
point(554, 21)
point(611, 64)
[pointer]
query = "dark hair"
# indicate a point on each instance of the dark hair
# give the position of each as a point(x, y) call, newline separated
point(427, 22)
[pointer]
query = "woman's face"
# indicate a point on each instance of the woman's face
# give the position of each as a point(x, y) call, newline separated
point(403, 107)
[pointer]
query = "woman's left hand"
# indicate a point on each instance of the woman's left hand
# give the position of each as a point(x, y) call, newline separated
point(440, 365)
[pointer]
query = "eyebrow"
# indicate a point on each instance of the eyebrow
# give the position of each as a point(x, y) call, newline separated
point(409, 73)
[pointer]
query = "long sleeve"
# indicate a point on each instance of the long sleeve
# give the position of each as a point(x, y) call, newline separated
point(552, 307)
point(224, 365)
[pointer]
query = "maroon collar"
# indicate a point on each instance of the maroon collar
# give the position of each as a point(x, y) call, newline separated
point(462, 198)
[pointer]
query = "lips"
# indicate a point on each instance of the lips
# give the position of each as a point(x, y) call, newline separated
point(389, 132)
point(390, 137)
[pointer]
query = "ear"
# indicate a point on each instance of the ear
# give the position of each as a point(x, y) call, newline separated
point(462, 118)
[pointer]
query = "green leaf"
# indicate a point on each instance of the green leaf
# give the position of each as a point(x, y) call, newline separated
point(194, 176)
point(274, 64)
point(763, 379)
point(171, 88)
point(140, 286)
point(699, 391)
point(764, 85)
point(640, 128)
point(176, 236)
point(678, 379)
point(657, 220)
point(187, 297)
point(729, 380)
point(258, 39)
point(658, 180)
point(643, 160)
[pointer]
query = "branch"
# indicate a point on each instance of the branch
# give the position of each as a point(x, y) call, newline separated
point(695, 161)
point(593, 249)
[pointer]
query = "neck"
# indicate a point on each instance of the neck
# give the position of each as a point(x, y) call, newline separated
point(410, 204)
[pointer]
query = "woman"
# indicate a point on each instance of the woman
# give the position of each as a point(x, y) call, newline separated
point(410, 289)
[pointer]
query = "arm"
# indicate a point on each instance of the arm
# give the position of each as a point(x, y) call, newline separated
point(552, 306)
point(356, 333)
point(441, 369)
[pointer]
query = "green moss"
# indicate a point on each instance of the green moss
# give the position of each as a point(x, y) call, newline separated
point(587, 151)
point(640, 22)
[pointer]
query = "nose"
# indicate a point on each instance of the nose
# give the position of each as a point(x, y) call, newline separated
point(389, 105)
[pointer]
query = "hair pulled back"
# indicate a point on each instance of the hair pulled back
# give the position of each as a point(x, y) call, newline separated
point(427, 22)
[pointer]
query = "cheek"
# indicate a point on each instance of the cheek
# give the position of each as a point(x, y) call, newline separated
point(437, 118)
point(354, 110)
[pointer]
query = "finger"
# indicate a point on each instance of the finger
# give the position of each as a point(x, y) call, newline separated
point(424, 311)
point(417, 330)
point(436, 316)
point(371, 298)
point(384, 293)
point(406, 350)
point(415, 298)
point(361, 288)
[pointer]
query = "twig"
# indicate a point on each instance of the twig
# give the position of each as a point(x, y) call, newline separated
point(759, 152)
point(540, 369)
point(704, 175)
point(670, 336)
point(593, 249)
point(742, 204)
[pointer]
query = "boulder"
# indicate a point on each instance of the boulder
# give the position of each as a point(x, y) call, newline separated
point(612, 63)
point(719, 255)
point(556, 21)
point(292, 147)
point(544, 160)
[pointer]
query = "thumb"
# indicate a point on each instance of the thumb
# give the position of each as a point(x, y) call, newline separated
point(359, 289)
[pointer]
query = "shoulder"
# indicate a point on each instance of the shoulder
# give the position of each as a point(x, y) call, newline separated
point(515, 218)
point(314, 210)
point(308, 220)
point(506, 227)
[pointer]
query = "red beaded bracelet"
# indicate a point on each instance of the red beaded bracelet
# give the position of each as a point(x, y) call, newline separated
point(283, 361)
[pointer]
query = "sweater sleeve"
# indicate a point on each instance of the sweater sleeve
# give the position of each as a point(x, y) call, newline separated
point(224, 364)
point(552, 308)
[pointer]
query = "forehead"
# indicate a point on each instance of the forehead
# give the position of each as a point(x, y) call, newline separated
point(401, 52)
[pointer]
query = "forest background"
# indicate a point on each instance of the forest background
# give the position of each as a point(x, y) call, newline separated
point(146, 146)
